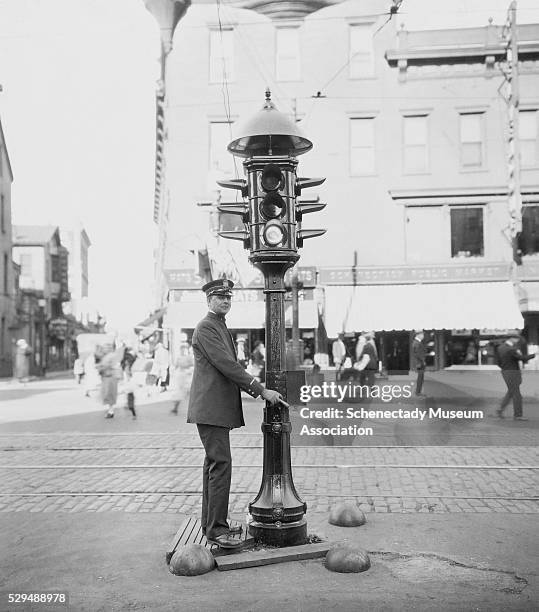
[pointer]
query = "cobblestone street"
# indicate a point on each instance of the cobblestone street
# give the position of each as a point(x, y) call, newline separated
point(77, 461)
point(161, 473)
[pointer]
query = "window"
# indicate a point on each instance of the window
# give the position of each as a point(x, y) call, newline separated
point(529, 238)
point(467, 232)
point(55, 268)
point(362, 149)
point(6, 274)
point(415, 144)
point(221, 161)
point(527, 131)
point(2, 214)
point(26, 264)
point(287, 56)
point(221, 56)
point(471, 140)
point(361, 55)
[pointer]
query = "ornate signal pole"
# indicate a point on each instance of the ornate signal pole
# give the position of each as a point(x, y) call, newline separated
point(270, 142)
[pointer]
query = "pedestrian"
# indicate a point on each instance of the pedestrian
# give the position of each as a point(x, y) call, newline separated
point(367, 362)
point(509, 357)
point(258, 360)
point(419, 355)
point(160, 369)
point(338, 350)
point(240, 350)
point(215, 407)
point(128, 359)
point(110, 371)
point(23, 352)
point(78, 370)
point(91, 380)
point(183, 376)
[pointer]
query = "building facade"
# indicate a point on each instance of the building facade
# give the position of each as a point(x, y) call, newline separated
point(43, 285)
point(8, 312)
point(77, 243)
point(410, 130)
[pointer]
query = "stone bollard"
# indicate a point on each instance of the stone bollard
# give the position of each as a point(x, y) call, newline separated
point(191, 560)
point(346, 515)
point(346, 559)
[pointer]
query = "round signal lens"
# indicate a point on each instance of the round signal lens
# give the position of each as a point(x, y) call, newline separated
point(271, 177)
point(273, 234)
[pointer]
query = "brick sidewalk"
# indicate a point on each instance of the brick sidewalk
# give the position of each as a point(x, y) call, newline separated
point(162, 473)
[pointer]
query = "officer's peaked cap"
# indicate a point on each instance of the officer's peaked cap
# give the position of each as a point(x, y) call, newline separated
point(221, 286)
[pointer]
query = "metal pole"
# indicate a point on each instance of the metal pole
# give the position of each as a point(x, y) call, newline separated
point(277, 511)
point(295, 316)
point(514, 195)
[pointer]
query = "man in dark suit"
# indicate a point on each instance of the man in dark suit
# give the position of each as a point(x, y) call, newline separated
point(509, 358)
point(215, 406)
point(419, 361)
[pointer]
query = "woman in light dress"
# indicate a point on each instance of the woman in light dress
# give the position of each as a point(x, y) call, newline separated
point(183, 375)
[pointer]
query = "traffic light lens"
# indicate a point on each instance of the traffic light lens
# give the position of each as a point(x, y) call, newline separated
point(273, 234)
point(272, 206)
point(271, 178)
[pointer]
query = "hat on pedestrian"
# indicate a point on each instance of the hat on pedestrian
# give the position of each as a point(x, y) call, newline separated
point(221, 286)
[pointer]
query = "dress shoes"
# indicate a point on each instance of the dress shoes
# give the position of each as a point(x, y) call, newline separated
point(231, 530)
point(499, 413)
point(225, 541)
point(520, 418)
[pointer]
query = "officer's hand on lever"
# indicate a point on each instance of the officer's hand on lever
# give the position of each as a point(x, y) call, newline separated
point(273, 397)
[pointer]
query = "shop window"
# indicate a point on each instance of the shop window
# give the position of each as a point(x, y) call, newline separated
point(221, 161)
point(361, 52)
point(529, 238)
point(287, 54)
point(415, 144)
point(362, 149)
point(467, 232)
point(471, 140)
point(221, 56)
point(528, 129)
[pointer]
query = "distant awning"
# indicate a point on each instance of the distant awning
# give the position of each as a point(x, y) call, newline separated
point(426, 306)
point(151, 319)
point(243, 315)
point(529, 297)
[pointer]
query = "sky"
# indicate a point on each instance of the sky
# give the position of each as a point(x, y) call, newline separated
point(78, 111)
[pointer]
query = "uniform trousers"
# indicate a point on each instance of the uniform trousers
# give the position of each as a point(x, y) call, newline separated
point(419, 381)
point(216, 477)
point(512, 379)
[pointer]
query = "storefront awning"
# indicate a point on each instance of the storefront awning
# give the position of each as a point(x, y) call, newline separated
point(529, 297)
point(243, 315)
point(427, 306)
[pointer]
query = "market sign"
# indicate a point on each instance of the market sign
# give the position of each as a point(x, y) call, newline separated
point(399, 275)
point(188, 279)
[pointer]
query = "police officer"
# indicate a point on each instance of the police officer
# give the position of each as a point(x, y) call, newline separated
point(215, 406)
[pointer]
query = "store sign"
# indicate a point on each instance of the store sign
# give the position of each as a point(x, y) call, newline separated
point(188, 279)
point(182, 279)
point(414, 274)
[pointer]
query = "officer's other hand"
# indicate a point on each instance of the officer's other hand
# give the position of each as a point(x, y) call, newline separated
point(271, 396)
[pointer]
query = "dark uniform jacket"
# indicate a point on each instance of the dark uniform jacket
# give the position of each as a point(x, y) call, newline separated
point(369, 350)
point(218, 377)
point(509, 356)
point(418, 355)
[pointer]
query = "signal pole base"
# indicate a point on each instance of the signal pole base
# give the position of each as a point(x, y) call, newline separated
point(280, 534)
